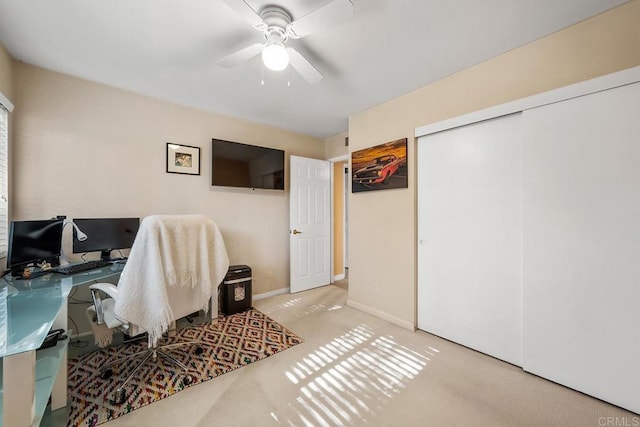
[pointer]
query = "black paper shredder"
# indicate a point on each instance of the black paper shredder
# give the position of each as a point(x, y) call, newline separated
point(236, 290)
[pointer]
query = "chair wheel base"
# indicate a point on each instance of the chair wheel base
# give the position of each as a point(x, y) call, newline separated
point(120, 397)
point(106, 374)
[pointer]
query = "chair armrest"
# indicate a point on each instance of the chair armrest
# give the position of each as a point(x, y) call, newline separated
point(108, 289)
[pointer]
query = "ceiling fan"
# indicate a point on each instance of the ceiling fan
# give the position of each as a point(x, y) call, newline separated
point(277, 27)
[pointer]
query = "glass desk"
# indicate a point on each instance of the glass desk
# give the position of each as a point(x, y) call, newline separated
point(28, 310)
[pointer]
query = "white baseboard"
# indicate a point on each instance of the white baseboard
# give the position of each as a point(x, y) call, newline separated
point(270, 294)
point(382, 315)
point(338, 277)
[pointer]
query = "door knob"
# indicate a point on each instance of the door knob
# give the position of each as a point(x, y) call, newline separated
point(296, 231)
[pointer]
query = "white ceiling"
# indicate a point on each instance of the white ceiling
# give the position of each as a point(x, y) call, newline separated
point(168, 49)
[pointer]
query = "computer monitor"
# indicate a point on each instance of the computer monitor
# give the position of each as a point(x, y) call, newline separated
point(105, 235)
point(31, 242)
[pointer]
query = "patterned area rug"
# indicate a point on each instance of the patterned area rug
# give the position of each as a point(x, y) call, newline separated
point(233, 341)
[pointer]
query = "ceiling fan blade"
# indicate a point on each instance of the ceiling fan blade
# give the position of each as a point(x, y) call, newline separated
point(241, 56)
point(304, 67)
point(246, 12)
point(326, 15)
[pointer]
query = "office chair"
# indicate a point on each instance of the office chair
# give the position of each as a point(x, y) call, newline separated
point(173, 270)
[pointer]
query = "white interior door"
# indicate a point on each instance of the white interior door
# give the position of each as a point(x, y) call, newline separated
point(310, 223)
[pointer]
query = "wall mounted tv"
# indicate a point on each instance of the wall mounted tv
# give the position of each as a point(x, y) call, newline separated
point(246, 166)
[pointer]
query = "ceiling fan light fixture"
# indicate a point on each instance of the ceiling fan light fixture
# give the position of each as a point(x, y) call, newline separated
point(275, 56)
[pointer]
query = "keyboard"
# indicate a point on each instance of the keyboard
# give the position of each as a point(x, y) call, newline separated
point(83, 266)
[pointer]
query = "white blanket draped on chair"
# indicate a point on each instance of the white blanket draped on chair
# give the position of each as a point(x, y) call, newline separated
point(169, 250)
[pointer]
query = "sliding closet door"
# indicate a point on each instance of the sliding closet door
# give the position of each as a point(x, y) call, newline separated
point(582, 244)
point(470, 236)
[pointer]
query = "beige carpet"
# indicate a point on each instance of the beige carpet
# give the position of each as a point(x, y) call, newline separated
point(357, 370)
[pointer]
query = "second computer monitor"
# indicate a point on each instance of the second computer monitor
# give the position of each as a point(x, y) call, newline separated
point(31, 242)
point(105, 234)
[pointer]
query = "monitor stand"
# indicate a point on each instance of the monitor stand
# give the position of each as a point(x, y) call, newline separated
point(105, 255)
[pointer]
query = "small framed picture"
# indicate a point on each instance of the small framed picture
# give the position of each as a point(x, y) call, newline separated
point(183, 159)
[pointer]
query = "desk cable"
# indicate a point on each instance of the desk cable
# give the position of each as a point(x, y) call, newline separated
point(78, 342)
point(75, 301)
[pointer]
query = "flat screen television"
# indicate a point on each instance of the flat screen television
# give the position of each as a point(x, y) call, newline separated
point(246, 166)
point(31, 242)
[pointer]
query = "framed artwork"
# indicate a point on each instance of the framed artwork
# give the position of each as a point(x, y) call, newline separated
point(183, 159)
point(382, 167)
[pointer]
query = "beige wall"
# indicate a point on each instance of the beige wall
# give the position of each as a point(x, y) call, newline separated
point(87, 150)
point(606, 43)
point(334, 146)
point(6, 73)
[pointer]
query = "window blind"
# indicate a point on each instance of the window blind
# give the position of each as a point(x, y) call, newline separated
point(4, 186)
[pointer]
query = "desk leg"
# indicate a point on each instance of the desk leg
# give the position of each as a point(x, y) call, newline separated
point(19, 384)
point(59, 392)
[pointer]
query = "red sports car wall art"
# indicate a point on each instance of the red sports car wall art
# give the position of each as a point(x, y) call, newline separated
point(380, 167)
point(378, 170)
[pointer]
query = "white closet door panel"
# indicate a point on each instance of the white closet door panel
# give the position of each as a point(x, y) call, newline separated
point(582, 244)
point(470, 236)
